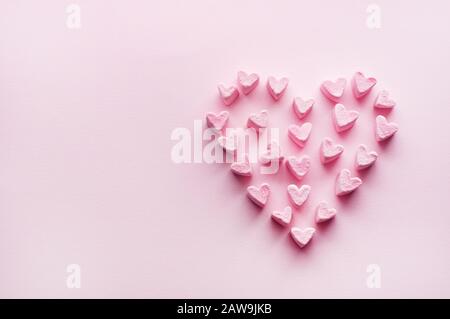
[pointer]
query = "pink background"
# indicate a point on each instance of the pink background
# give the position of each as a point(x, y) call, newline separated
point(85, 169)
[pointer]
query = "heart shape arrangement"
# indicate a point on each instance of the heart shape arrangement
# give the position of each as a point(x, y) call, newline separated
point(344, 119)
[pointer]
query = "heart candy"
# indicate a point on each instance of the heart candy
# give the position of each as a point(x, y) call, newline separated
point(324, 213)
point(217, 121)
point(384, 129)
point(283, 217)
point(300, 134)
point(277, 87)
point(247, 82)
point(362, 85)
point(302, 236)
point(383, 101)
point(329, 151)
point(302, 107)
point(273, 153)
point(259, 195)
point(333, 90)
point(344, 119)
point(298, 195)
point(364, 158)
point(345, 184)
point(299, 167)
point(228, 94)
point(228, 143)
point(242, 168)
point(258, 121)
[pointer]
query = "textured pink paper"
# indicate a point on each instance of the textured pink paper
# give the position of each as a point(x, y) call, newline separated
point(85, 171)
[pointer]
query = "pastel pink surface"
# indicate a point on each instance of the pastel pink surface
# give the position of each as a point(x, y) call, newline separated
point(346, 183)
point(283, 217)
point(85, 136)
point(247, 82)
point(344, 119)
point(298, 195)
point(276, 87)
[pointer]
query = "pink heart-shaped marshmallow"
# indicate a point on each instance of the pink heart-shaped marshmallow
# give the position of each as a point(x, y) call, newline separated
point(333, 90)
point(343, 118)
point(227, 143)
point(277, 87)
point(346, 184)
point(247, 82)
point(228, 94)
point(242, 168)
point(259, 195)
point(258, 121)
point(302, 107)
point(217, 121)
point(273, 153)
point(364, 158)
point(362, 85)
point(283, 217)
point(298, 195)
point(384, 129)
point(302, 236)
point(299, 167)
point(330, 151)
point(300, 134)
point(324, 213)
point(383, 101)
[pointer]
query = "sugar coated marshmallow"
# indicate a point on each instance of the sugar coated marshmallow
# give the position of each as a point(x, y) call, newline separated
point(298, 195)
point(247, 82)
point(298, 167)
point(364, 158)
point(345, 183)
point(361, 85)
point(333, 90)
point(383, 101)
point(300, 134)
point(302, 236)
point(283, 217)
point(343, 118)
point(227, 143)
point(228, 94)
point(302, 107)
point(330, 151)
point(384, 129)
point(277, 87)
point(259, 195)
point(258, 120)
point(324, 212)
point(217, 121)
point(243, 168)
point(273, 153)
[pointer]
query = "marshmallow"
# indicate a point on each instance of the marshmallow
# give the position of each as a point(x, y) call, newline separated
point(383, 101)
point(302, 236)
point(302, 107)
point(324, 213)
point(384, 129)
point(260, 195)
point(330, 151)
point(300, 134)
point(346, 184)
point(228, 143)
point(228, 94)
point(276, 87)
point(258, 121)
point(333, 90)
point(364, 158)
point(217, 121)
point(273, 153)
point(247, 82)
point(242, 168)
point(362, 85)
point(298, 195)
point(344, 119)
point(299, 167)
point(283, 217)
